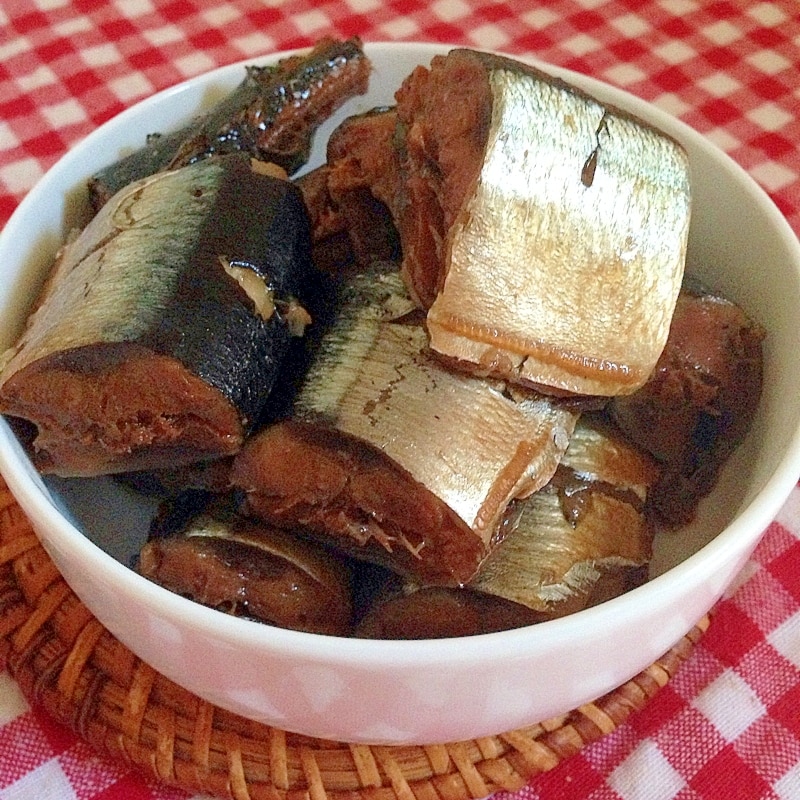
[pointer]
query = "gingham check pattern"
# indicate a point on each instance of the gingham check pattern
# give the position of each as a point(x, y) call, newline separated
point(728, 726)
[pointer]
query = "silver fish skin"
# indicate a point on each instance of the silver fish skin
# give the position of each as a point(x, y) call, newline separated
point(467, 440)
point(554, 559)
point(561, 266)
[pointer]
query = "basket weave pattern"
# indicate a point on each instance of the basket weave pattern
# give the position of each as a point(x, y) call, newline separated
point(67, 663)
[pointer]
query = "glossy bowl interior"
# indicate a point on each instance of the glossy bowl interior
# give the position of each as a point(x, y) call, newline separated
point(427, 691)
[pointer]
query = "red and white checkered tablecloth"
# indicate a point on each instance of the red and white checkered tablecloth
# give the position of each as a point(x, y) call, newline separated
point(728, 726)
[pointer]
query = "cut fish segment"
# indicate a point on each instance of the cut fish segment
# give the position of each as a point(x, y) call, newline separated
point(397, 452)
point(545, 231)
point(143, 351)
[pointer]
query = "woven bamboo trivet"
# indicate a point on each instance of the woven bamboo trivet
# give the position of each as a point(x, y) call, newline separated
point(66, 662)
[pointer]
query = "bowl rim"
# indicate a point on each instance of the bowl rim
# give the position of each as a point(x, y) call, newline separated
point(756, 516)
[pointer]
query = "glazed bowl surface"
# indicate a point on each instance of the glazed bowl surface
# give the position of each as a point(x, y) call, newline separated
point(422, 692)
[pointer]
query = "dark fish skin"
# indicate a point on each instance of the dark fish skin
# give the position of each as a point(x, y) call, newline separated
point(146, 282)
point(243, 354)
point(272, 115)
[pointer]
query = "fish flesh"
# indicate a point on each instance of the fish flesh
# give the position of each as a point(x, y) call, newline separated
point(391, 454)
point(272, 114)
point(362, 183)
point(161, 329)
point(222, 560)
point(543, 230)
point(408, 611)
point(350, 195)
point(700, 401)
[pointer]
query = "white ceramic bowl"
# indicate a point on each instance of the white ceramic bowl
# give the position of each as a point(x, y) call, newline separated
point(425, 691)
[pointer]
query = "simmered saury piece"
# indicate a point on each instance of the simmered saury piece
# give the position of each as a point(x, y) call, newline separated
point(588, 521)
point(348, 197)
point(393, 456)
point(363, 181)
point(161, 329)
point(272, 115)
point(579, 541)
point(404, 610)
point(544, 231)
point(240, 567)
point(700, 401)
